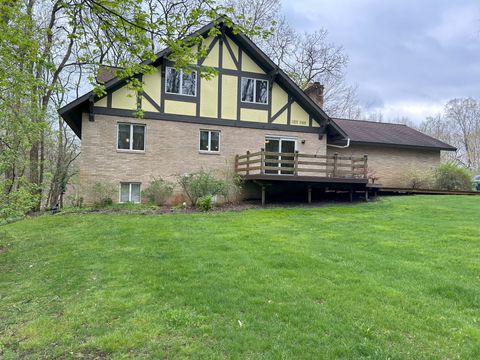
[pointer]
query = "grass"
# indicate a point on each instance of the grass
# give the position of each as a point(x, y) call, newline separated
point(398, 278)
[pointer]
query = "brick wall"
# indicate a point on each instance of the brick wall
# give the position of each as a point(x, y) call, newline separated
point(392, 165)
point(171, 148)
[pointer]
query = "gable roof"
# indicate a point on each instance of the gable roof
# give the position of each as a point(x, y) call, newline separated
point(72, 112)
point(387, 134)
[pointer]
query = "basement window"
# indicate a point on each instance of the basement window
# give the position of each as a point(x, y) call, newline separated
point(180, 82)
point(131, 137)
point(210, 141)
point(254, 91)
point(130, 192)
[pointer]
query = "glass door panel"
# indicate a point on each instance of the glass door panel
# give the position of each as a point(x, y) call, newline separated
point(287, 146)
point(272, 145)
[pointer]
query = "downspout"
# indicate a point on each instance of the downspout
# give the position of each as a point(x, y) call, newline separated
point(341, 146)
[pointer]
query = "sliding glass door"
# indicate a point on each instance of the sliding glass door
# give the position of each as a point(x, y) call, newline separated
point(285, 147)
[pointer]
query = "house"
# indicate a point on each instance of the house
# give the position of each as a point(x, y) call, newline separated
point(250, 119)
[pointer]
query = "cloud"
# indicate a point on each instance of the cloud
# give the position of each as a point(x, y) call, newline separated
point(406, 56)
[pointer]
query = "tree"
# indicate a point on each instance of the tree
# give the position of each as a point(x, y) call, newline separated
point(48, 45)
point(306, 57)
point(459, 125)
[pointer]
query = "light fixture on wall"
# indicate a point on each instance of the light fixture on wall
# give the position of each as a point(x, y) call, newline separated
point(303, 141)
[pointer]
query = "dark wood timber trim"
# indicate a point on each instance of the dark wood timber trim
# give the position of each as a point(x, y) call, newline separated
point(205, 120)
point(180, 97)
point(279, 112)
point(257, 106)
point(210, 47)
point(162, 87)
point(289, 110)
point(230, 50)
point(109, 100)
point(220, 78)
point(239, 84)
point(152, 102)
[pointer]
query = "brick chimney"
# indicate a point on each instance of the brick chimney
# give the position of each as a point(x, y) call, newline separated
point(106, 73)
point(315, 92)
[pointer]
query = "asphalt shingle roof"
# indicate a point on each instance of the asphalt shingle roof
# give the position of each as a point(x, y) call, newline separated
point(369, 132)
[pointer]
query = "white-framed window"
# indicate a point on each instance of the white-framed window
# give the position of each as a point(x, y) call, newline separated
point(130, 192)
point(254, 91)
point(209, 141)
point(131, 137)
point(179, 82)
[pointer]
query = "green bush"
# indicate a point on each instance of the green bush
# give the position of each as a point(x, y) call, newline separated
point(205, 203)
point(200, 184)
point(102, 194)
point(158, 191)
point(17, 203)
point(416, 179)
point(453, 177)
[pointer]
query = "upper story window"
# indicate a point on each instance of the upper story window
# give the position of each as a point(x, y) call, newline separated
point(210, 141)
point(179, 82)
point(131, 137)
point(254, 90)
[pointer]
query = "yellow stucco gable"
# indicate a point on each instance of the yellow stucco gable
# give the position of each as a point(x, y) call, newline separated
point(213, 55)
point(249, 65)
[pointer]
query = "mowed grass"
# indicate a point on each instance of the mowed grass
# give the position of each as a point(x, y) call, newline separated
point(398, 278)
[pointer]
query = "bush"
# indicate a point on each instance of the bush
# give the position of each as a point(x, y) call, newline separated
point(205, 203)
point(416, 179)
point(17, 203)
point(453, 177)
point(158, 191)
point(200, 184)
point(102, 194)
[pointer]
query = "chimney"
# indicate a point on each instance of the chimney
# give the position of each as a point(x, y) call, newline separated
point(106, 73)
point(315, 92)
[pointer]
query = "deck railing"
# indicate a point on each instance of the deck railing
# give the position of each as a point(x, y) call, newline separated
point(276, 163)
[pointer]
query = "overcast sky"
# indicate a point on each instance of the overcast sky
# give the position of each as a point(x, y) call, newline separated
point(408, 57)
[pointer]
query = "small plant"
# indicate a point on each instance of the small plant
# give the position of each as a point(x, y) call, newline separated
point(416, 179)
point(102, 194)
point(453, 177)
point(200, 184)
point(205, 203)
point(158, 191)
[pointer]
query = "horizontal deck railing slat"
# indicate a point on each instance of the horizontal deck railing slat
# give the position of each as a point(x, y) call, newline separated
point(281, 163)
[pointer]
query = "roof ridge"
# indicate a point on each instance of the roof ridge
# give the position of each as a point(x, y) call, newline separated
point(370, 121)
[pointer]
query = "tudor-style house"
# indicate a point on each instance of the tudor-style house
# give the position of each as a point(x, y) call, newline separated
point(250, 118)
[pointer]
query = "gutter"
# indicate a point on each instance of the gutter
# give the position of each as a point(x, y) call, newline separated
point(341, 146)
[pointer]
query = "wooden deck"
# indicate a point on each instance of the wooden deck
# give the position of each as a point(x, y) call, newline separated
point(311, 166)
point(267, 168)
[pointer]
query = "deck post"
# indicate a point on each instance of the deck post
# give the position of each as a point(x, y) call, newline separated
point(335, 164)
point(365, 166)
point(248, 163)
point(309, 194)
point(295, 163)
point(262, 161)
point(351, 195)
point(236, 164)
point(263, 195)
point(366, 195)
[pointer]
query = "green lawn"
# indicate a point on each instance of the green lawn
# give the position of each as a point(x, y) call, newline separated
point(398, 278)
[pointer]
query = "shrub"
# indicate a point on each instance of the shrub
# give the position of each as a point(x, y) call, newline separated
point(200, 184)
point(453, 177)
point(102, 194)
point(416, 179)
point(205, 203)
point(17, 203)
point(158, 191)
